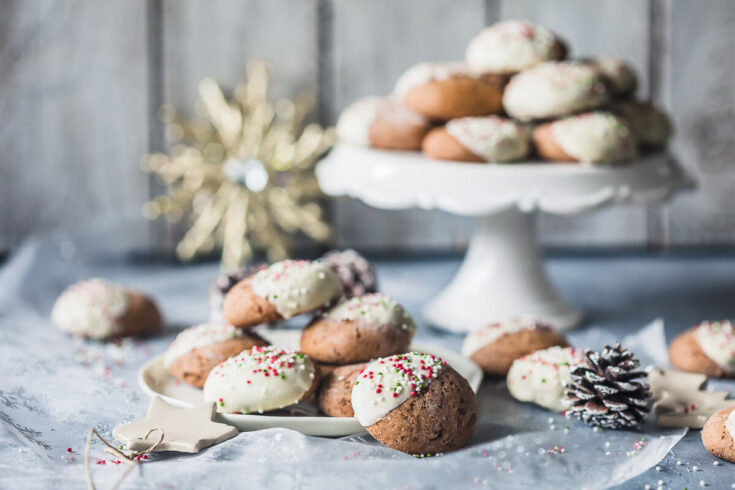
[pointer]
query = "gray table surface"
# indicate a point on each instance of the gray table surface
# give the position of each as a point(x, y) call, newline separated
point(617, 293)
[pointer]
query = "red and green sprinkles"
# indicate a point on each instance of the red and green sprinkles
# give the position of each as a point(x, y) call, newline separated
point(413, 376)
point(267, 362)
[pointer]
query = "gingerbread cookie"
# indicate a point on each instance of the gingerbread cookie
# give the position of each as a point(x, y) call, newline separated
point(334, 396)
point(415, 403)
point(99, 309)
point(594, 137)
point(261, 379)
point(553, 89)
point(708, 348)
point(511, 46)
point(444, 91)
point(650, 127)
point(495, 346)
point(283, 290)
point(540, 377)
point(618, 75)
point(196, 350)
point(718, 434)
point(477, 139)
point(359, 329)
point(381, 123)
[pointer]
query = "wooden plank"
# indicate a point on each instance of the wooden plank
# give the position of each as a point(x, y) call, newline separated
point(603, 27)
point(703, 102)
point(374, 42)
point(74, 95)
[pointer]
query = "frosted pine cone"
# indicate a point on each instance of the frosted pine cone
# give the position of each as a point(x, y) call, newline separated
point(609, 391)
point(354, 272)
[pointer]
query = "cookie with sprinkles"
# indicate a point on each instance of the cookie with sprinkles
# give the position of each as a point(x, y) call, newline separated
point(616, 73)
point(98, 309)
point(511, 46)
point(478, 139)
point(444, 91)
point(334, 395)
point(554, 89)
point(359, 329)
point(540, 377)
point(718, 434)
point(708, 348)
point(594, 137)
point(381, 122)
point(283, 290)
point(260, 380)
point(496, 345)
point(415, 403)
point(196, 350)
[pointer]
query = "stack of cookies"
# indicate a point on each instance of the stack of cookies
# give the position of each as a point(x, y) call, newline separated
point(513, 95)
point(354, 358)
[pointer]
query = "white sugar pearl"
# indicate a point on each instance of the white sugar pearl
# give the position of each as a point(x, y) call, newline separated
point(679, 462)
point(647, 487)
point(702, 483)
point(658, 468)
point(660, 483)
point(607, 444)
point(716, 463)
point(695, 468)
point(551, 420)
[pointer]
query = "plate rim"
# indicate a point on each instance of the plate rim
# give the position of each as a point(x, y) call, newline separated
point(338, 425)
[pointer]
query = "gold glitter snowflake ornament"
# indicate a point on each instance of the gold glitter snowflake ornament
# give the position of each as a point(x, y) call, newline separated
point(242, 170)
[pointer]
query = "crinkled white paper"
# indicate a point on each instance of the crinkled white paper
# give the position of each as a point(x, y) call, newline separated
point(54, 387)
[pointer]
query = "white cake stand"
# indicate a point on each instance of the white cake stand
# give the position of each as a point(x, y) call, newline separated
point(502, 273)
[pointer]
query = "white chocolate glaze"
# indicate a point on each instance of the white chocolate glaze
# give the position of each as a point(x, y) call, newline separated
point(595, 137)
point(353, 125)
point(259, 380)
point(200, 336)
point(540, 377)
point(730, 424)
point(297, 286)
point(388, 382)
point(91, 308)
point(619, 75)
point(373, 309)
point(511, 46)
point(492, 138)
point(487, 334)
point(649, 126)
point(423, 73)
point(717, 340)
point(553, 89)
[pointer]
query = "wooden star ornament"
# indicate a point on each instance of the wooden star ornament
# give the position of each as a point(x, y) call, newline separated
point(186, 430)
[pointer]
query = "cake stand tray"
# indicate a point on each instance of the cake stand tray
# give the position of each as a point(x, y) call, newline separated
point(502, 273)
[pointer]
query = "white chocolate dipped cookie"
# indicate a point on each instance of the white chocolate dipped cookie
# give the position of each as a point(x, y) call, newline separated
point(198, 349)
point(444, 91)
point(260, 380)
point(617, 74)
point(511, 46)
point(381, 122)
point(593, 137)
point(478, 139)
point(98, 309)
point(708, 348)
point(650, 126)
point(554, 89)
point(283, 290)
point(415, 403)
point(496, 345)
point(359, 329)
point(540, 377)
point(718, 434)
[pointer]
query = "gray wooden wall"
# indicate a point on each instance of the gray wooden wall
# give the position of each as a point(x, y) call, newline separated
point(80, 82)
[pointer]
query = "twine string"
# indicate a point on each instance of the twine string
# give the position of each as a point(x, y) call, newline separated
point(132, 458)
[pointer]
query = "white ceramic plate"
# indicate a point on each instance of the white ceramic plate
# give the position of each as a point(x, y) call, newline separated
point(155, 380)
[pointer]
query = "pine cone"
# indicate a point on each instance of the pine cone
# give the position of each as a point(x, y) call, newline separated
point(224, 282)
point(354, 272)
point(610, 391)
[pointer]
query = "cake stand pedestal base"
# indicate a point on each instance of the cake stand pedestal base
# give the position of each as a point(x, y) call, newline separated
point(501, 275)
